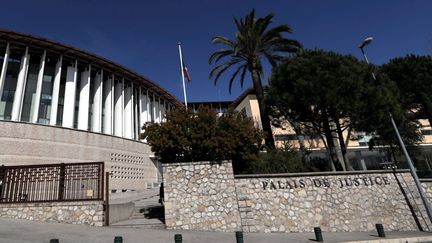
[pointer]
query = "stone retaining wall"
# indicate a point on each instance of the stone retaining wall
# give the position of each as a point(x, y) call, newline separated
point(89, 213)
point(200, 196)
point(427, 187)
point(342, 202)
point(206, 196)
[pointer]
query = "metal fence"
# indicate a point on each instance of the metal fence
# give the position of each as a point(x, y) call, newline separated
point(52, 182)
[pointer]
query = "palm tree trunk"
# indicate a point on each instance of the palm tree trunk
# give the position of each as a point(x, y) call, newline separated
point(265, 120)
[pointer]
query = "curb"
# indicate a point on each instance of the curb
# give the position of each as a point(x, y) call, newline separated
point(398, 240)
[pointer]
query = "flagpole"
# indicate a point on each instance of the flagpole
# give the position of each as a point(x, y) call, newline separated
point(182, 74)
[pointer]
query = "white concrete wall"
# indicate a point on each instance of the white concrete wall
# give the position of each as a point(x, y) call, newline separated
point(129, 161)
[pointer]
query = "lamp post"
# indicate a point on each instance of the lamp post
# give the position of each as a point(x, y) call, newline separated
point(364, 43)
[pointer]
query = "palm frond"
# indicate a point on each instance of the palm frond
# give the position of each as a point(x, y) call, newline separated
point(253, 40)
point(220, 69)
point(280, 45)
point(264, 23)
point(234, 75)
point(250, 20)
point(272, 59)
point(215, 57)
point(222, 40)
point(242, 77)
point(237, 23)
point(284, 42)
point(276, 31)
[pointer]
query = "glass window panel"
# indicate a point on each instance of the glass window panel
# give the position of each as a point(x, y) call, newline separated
point(47, 89)
point(31, 86)
point(81, 68)
point(2, 53)
point(106, 90)
point(152, 108)
point(14, 64)
point(92, 94)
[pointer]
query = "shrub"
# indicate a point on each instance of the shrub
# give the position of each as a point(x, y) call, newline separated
point(204, 136)
point(284, 160)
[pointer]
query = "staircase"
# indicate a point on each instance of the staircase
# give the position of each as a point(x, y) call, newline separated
point(148, 213)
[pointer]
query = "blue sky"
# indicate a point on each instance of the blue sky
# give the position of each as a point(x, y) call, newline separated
point(143, 35)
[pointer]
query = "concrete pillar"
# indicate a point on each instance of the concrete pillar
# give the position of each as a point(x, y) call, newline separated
point(69, 97)
point(108, 105)
point(160, 107)
point(4, 69)
point(112, 102)
point(136, 116)
point(140, 108)
point(155, 110)
point(119, 107)
point(36, 105)
point(97, 103)
point(149, 112)
point(20, 88)
point(163, 111)
point(143, 107)
point(128, 125)
point(84, 100)
point(56, 92)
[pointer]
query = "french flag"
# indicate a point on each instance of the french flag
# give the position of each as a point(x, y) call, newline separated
point(186, 72)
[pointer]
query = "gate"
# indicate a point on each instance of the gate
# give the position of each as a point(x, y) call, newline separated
point(52, 182)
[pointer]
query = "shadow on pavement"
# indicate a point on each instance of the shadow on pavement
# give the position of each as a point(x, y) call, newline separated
point(154, 212)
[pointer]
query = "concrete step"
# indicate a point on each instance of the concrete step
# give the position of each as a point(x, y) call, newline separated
point(140, 223)
point(148, 213)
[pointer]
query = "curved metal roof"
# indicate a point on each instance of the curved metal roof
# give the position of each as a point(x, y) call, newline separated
point(69, 51)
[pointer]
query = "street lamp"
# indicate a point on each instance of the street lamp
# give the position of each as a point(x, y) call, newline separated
point(364, 43)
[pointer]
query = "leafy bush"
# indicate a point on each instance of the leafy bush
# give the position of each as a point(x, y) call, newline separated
point(204, 136)
point(284, 160)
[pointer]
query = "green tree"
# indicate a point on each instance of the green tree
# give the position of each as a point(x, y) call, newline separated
point(380, 98)
point(413, 76)
point(327, 93)
point(253, 42)
point(318, 89)
point(204, 136)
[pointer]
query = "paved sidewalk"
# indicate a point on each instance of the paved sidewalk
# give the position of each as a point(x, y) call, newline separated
point(147, 212)
point(148, 195)
point(24, 231)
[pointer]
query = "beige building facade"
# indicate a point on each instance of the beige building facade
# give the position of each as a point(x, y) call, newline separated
point(357, 145)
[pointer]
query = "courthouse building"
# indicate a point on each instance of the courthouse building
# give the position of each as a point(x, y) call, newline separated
point(62, 104)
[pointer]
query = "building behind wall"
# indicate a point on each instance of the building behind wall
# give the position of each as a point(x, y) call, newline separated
point(359, 154)
point(62, 104)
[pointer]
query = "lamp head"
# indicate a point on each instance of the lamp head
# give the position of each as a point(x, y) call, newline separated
point(366, 42)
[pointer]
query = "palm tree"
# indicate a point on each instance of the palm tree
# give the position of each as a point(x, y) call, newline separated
point(253, 42)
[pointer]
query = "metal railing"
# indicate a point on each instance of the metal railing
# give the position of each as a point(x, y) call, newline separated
point(52, 182)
